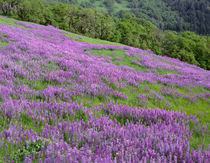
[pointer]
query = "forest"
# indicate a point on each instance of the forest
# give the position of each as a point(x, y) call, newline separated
point(177, 15)
point(126, 29)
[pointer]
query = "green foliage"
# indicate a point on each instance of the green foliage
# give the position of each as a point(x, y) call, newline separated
point(32, 148)
point(35, 11)
point(188, 47)
point(9, 7)
point(175, 15)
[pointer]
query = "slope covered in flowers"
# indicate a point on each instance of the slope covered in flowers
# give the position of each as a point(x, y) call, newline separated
point(65, 100)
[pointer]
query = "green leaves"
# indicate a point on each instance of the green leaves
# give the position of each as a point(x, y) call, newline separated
point(32, 148)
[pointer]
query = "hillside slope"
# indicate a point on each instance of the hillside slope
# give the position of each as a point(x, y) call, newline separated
point(63, 99)
point(175, 15)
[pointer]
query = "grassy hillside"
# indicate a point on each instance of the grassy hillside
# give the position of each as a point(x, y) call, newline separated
point(168, 15)
point(70, 98)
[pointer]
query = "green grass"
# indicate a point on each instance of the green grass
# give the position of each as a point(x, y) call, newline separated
point(198, 108)
point(7, 151)
point(119, 58)
point(81, 38)
point(7, 21)
point(3, 44)
point(166, 71)
point(11, 22)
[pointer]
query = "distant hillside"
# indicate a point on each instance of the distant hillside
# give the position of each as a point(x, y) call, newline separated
point(177, 15)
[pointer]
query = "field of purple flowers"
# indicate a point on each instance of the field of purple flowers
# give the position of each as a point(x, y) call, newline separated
point(63, 99)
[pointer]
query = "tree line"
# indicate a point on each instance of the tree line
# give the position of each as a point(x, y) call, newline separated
point(177, 15)
point(129, 30)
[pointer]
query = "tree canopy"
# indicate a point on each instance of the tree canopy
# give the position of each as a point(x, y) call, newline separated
point(177, 15)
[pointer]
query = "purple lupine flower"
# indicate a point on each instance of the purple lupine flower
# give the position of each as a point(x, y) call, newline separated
point(47, 82)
